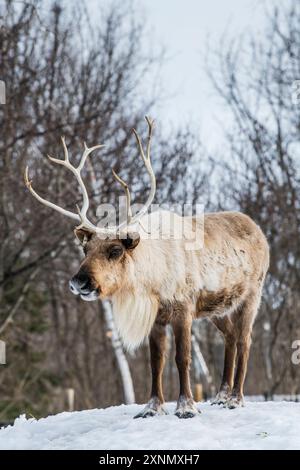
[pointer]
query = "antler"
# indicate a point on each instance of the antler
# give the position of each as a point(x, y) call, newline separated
point(82, 213)
point(81, 216)
point(147, 161)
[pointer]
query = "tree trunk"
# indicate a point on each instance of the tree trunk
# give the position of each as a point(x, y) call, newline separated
point(127, 383)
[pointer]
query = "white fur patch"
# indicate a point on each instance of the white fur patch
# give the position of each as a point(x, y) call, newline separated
point(134, 315)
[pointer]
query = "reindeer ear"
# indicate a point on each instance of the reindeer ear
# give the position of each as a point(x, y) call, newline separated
point(131, 241)
point(83, 235)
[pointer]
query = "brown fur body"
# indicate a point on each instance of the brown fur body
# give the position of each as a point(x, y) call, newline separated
point(160, 282)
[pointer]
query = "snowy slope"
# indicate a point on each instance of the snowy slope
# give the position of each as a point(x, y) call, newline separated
point(271, 425)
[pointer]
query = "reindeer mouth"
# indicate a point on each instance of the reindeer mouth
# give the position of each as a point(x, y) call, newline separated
point(81, 285)
point(90, 296)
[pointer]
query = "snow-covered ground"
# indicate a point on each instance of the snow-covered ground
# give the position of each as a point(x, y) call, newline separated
point(268, 425)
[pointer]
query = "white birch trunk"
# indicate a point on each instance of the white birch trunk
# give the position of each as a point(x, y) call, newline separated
point(122, 362)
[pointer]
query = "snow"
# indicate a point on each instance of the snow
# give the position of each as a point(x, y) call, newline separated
point(267, 425)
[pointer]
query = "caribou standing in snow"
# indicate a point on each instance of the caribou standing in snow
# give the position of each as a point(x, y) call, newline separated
point(156, 281)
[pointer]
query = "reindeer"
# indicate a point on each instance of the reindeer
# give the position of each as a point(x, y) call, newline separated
point(156, 281)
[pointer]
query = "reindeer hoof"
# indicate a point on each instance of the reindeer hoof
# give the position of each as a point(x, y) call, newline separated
point(186, 408)
point(145, 414)
point(217, 401)
point(149, 413)
point(235, 402)
point(186, 414)
point(222, 398)
point(153, 408)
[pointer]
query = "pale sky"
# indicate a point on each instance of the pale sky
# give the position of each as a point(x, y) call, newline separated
point(183, 27)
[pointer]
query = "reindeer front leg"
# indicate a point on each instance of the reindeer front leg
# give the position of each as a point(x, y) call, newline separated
point(158, 343)
point(186, 407)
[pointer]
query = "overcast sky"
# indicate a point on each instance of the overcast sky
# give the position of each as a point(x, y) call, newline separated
point(183, 27)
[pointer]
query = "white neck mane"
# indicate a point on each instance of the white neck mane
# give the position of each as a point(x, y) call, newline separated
point(148, 281)
point(134, 315)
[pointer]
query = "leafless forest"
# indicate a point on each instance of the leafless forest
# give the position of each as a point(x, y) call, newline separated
point(64, 76)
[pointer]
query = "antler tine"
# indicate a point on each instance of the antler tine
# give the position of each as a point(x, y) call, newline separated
point(140, 146)
point(81, 216)
point(127, 194)
point(150, 123)
point(65, 149)
point(65, 212)
point(66, 160)
point(147, 160)
point(86, 153)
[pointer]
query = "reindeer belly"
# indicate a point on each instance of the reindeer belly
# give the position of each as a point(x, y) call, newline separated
point(219, 302)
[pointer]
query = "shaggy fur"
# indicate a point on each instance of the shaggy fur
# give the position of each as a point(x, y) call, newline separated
point(163, 280)
point(215, 279)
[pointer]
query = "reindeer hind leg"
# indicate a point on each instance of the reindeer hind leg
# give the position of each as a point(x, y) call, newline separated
point(244, 319)
point(225, 326)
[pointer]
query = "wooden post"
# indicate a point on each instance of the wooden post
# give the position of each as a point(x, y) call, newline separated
point(198, 394)
point(70, 398)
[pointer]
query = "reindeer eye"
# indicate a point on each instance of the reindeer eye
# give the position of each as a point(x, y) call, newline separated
point(115, 252)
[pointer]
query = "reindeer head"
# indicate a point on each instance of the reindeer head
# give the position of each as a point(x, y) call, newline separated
point(104, 268)
point(108, 251)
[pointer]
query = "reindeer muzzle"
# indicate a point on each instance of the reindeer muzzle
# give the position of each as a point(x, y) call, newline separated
point(81, 284)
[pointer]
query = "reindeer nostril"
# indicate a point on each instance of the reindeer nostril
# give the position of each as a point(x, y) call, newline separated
point(73, 288)
point(81, 284)
point(86, 285)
